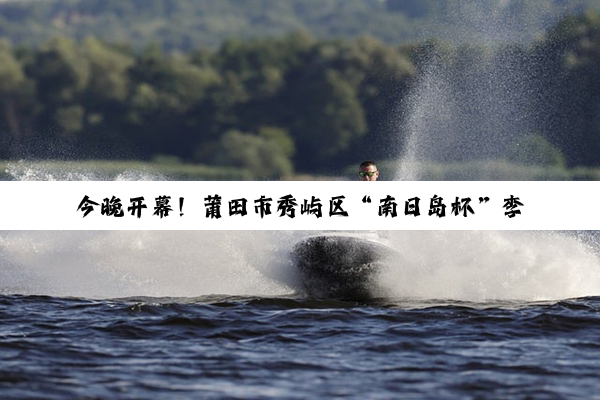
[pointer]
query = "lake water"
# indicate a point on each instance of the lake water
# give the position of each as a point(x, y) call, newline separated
point(220, 315)
point(291, 347)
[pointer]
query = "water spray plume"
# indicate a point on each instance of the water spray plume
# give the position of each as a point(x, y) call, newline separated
point(472, 265)
point(476, 96)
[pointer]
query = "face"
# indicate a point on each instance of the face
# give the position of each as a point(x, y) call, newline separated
point(373, 170)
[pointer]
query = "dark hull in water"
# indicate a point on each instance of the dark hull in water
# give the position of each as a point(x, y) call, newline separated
point(342, 267)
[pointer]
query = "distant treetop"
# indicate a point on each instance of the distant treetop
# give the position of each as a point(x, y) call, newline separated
point(188, 24)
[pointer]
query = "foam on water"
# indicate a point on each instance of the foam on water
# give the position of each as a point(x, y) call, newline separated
point(48, 171)
point(108, 264)
point(469, 265)
point(494, 265)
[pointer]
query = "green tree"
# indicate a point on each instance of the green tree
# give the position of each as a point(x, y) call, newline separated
point(327, 118)
point(12, 79)
point(263, 155)
point(108, 80)
point(70, 119)
point(381, 75)
point(61, 74)
point(280, 137)
point(166, 96)
point(60, 71)
point(571, 55)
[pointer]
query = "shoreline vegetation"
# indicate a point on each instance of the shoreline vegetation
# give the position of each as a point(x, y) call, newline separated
point(170, 170)
point(300, 103)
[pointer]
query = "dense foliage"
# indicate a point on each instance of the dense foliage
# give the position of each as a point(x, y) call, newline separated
point(187, 24)
point(273, 105)
point(266, 105)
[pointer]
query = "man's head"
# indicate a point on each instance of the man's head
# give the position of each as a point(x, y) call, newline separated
point(368, 171)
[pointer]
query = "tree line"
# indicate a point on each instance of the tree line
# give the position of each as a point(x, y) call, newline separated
point(268, 104)
point(275, 105)
point(187, 24)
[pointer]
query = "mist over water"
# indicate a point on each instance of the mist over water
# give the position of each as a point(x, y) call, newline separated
point(23, 170)
point(476, 95)
point(494, 265)
point(110, 264)
point(470, 265)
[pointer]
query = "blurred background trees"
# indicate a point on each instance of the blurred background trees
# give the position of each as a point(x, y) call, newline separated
point(272, 87)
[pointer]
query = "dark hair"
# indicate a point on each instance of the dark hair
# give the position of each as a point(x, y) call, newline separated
point(367, 164)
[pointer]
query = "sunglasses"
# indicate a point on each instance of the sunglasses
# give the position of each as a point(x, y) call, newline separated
point(369, 174)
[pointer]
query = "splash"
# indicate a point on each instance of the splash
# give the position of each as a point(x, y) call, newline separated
point(110, 264)
point(469, 266)
point(494, 265)
point(74, 171)
point(477, 109)
point(476, 96)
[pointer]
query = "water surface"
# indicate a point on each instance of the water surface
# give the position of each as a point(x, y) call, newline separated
point(291, 347)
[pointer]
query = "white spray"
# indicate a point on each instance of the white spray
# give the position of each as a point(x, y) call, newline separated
point(493, 265)
point(469, 265)
point(109, 264)
point(477, 93)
